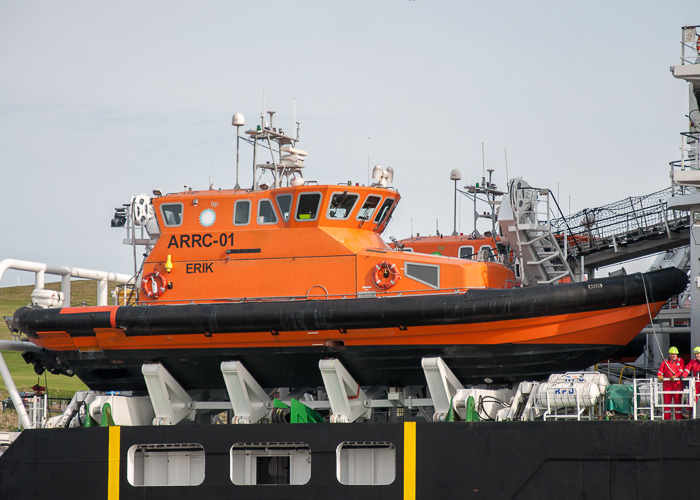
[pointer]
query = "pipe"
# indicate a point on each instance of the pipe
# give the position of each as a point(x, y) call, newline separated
point(19, 346)
point(14, 395)
point(66, 272)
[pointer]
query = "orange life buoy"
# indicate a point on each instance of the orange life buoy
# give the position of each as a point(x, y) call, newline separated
point(154, 285)
point(385, 275)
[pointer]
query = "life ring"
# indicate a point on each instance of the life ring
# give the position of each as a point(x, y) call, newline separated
point(154, 285)
point(385, 275)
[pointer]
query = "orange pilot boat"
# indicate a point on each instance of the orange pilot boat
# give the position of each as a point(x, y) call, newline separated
point(486, 247)
point(281, 276)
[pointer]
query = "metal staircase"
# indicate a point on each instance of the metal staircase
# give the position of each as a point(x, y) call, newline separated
point(538, 256)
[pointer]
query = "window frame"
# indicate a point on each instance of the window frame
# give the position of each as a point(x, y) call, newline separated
point(371, 195)
point(291, 205)
point(349, 213)
point(318, 206)
point(388, 210)
point(182, 213)
point(472, 255)
point(272, 207)
point(250, 206)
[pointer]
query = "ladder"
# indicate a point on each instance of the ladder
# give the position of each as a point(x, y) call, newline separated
point(539, 257)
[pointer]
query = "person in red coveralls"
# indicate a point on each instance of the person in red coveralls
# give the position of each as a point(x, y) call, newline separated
point(672, 369)
point(693, 369)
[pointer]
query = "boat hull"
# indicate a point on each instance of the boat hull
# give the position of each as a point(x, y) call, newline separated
point(502, 460)
point(370, 365)
point(502, 335)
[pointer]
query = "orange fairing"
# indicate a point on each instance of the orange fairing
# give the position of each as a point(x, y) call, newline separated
point(315, 241)
point(609, 327)
point(532, 330)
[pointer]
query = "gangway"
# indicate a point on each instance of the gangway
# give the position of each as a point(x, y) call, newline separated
point(624, 230)
point(551, 247)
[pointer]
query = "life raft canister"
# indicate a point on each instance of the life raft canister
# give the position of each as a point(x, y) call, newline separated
point(385, 275)
point(154, 285)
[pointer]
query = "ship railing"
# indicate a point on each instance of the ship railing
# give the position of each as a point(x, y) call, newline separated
point(633, 219)
point(648, 398)
point(40, 270)
point(690, 43)
point(690, 155)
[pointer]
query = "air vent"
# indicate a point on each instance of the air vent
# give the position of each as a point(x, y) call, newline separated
point(427, 274)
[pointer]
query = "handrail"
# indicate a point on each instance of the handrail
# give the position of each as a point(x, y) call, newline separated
point(40, 269)
point(656, 392)
point(689, 40)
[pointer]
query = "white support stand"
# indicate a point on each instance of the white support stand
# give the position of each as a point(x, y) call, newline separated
point(168, 398)
point(443, 385)
point(339, 383)
point(247, 398)
point(523, 405)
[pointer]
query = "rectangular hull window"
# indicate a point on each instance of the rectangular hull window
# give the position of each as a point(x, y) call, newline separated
point(366, 463)
point(270, 464)
point(171, 464)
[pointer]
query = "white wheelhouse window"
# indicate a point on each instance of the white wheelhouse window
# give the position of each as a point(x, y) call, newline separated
point(384, 210)
point(368, 208)
point(307, 207)
point(284, 203)
point(171, 214)
point(466, 252)
point(266, 212)
point(241, 213)
point(341, 205)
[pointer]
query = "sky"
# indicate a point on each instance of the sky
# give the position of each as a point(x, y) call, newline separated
point(101, 100)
